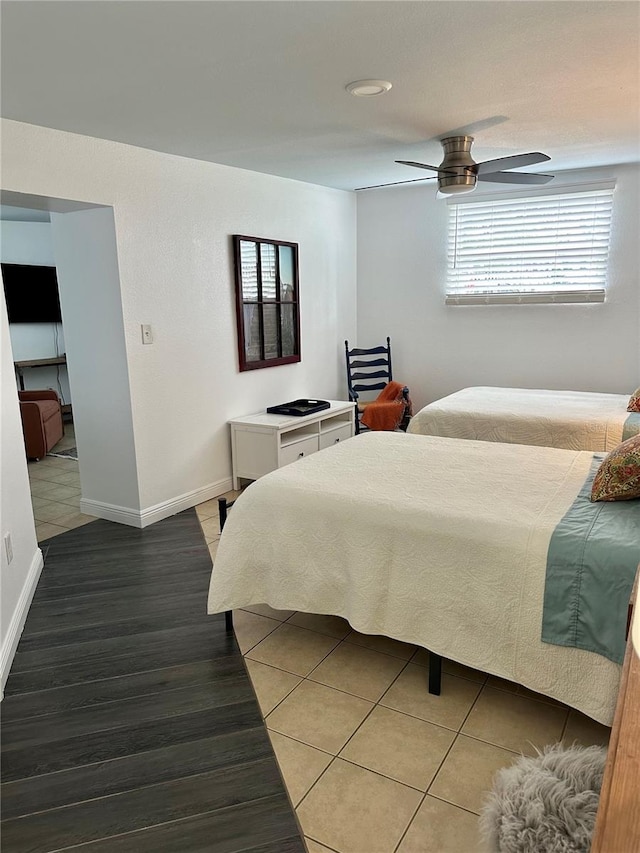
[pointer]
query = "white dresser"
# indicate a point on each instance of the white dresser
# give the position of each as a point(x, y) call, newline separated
point(263, 442)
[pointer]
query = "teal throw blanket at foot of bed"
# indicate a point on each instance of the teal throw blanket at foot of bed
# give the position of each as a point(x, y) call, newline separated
point(591, 565)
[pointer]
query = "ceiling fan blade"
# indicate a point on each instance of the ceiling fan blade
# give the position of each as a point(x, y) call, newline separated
point(510, 162)
point(516, 178)
point(418, 165)
point(395, 183)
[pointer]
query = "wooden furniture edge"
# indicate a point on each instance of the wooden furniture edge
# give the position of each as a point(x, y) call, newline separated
point(617, 828)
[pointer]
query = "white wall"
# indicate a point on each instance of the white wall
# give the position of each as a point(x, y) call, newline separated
point(151, 420)
point(91, 302)
point(438, 349)
point(173, 221)
point(19, 577)
point(26, 243)
point(31, 243)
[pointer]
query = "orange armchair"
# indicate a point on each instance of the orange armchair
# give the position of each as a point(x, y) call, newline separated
point(42, 425)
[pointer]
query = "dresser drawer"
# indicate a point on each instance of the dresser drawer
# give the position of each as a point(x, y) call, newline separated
point(333, 436)
point(298, 449)
point(264, 441)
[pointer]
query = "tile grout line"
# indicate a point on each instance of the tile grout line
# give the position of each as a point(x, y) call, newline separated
point(458, 732)
point(340, 690)
point(441, 764)
point(472, 737)
point(280, 701)
point(455, 740)
point(382, 775)
point(302, 743)
point(335, 756)
point(564, 728)
point(305, 677)
point(455, 805)
point(376, 704)
point(331, 849)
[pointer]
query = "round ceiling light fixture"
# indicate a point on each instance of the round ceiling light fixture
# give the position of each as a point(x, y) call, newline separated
point(368, 88)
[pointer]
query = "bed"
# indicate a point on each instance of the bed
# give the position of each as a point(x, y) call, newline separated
point(433, 541)
point(574, 420)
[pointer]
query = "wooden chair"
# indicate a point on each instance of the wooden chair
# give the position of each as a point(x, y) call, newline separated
point(368, 372)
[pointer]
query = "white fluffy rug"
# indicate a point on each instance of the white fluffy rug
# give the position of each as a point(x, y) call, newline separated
point(545, 804)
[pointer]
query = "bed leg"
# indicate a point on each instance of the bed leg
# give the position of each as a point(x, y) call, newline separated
point(222, 511)
point(435, 673)
point(223, 506)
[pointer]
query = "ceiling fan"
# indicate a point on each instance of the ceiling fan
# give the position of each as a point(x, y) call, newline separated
point(459, 172)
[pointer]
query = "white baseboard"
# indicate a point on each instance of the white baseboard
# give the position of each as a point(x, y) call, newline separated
point(186, 501)
point(111, 512)
point(19, 617)
point(145, 517)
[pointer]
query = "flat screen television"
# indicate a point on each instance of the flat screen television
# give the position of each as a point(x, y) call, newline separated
point(31, 293)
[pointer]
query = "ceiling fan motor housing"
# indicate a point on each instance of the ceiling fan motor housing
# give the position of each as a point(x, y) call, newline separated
point(457, 160)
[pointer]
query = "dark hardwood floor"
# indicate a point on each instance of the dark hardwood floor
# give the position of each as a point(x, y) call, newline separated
point(129, 722)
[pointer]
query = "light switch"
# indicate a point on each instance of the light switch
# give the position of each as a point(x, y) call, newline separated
point(147, 334)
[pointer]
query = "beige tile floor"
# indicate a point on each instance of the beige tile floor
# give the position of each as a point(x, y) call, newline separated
point(55, 491)
point(372, 762)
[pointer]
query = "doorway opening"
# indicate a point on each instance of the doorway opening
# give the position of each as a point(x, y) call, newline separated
point(80, 358)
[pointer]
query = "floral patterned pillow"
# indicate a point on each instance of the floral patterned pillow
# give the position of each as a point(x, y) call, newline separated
point(634, 401)
point(618, 478)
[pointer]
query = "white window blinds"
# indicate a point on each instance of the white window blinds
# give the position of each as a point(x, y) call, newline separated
point(548, 247)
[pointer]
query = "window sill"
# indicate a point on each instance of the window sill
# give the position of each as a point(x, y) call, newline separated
point(550, 297)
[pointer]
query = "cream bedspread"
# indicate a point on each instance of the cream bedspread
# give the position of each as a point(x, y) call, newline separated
point(575, 420)
point(429, 540)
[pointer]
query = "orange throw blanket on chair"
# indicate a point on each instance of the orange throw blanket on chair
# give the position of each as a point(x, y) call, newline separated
point(386, 411)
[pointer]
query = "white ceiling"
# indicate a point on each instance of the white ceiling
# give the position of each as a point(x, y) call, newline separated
point(260, 85)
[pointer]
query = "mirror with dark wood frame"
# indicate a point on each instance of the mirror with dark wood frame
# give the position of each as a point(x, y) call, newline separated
point(267, 302)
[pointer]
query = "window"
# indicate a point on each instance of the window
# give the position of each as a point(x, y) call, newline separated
point(551, 246)
point(268, 314)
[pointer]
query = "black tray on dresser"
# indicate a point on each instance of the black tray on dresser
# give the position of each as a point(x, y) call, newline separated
point(298, 408)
